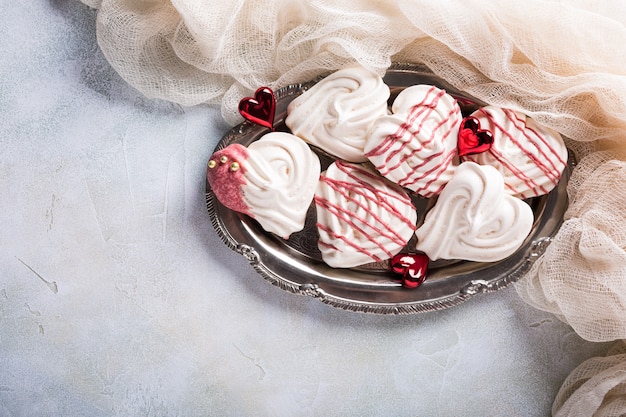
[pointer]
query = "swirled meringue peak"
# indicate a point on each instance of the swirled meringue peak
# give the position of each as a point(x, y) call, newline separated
point(361, 217)
point(474, 218)
point(335, 114)
point(531, 157)
point(416, 146)
point(273, 180)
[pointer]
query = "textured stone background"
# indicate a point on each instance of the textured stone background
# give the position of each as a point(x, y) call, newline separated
point(117, 298)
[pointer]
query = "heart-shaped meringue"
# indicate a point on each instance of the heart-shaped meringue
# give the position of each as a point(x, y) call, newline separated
point(361, 217)
point(273, 180)
point(259, 109)
point(530, 157)
point(474, 218)
point(335, 114)
point(416, 146)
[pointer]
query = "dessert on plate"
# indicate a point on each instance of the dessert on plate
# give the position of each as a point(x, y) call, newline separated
point(530, 157)
point(474, 218)
point(416, 145)
point(361, 217)
point(336, 113)
point(272, 180)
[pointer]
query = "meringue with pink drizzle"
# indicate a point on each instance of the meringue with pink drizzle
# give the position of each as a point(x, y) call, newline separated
point(335, 114)
point(531, 157)
point(416, 146)
point(273, 180)
point(361, 217)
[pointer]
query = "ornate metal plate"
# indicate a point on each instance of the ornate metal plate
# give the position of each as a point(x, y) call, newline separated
point(295, 265)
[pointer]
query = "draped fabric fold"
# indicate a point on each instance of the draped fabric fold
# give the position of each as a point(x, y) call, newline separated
point(597, 387)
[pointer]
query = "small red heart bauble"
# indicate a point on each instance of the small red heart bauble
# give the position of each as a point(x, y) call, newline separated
point(259, 109)
point(472, 139)
point(412, 266)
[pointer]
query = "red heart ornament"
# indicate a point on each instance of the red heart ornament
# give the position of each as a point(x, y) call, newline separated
point(472, 139)
point(412, 266)
point(259, 109)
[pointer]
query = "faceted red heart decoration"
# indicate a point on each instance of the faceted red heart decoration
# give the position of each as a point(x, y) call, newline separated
point(412, 266)
point(259, 109)
point(472, 139)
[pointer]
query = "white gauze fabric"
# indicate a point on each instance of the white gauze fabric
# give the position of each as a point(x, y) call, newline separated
point(567, 73)
point(582, 276)
point(561, 63)
point(597, 387)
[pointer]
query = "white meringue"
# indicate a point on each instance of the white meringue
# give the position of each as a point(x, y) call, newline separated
point(361, 217)
point(273, 180)
point(415, 146)
point(474, 218)
point(336, 113)
point(530, 157)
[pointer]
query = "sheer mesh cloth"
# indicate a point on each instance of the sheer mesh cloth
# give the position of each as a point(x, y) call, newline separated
point(597, 387)
point(561, 63)
point(582, 278)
